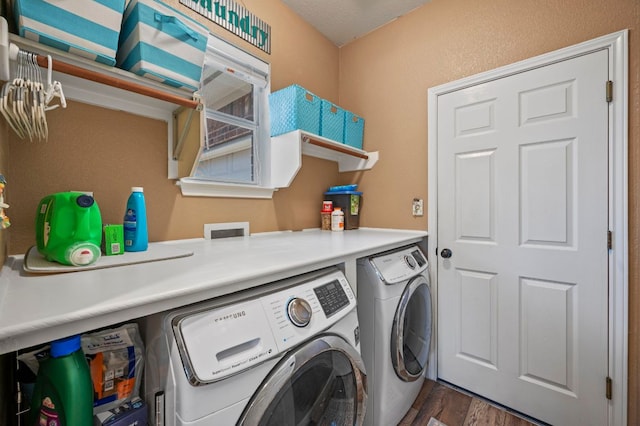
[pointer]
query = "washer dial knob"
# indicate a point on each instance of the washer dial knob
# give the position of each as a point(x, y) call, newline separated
point(299, 312)
point(410, 261)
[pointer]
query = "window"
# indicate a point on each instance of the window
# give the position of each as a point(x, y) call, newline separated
point(235, 132)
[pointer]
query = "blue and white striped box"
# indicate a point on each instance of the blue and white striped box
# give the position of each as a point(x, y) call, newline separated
point(88, 28)
point(162, 44)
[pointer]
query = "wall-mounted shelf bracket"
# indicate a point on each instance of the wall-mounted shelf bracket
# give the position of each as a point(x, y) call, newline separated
point(287, 151)
point(181, 138)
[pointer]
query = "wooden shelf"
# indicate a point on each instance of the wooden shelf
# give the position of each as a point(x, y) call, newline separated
point(333, 146)
point(287, 149)
point(349, 159)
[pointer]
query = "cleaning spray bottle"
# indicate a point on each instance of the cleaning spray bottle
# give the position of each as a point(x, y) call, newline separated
point(63, 393)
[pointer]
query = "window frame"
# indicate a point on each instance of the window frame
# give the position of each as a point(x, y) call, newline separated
point(258, 72)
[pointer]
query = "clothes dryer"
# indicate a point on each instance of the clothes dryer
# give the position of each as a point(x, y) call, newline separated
point(394, 311)
point(286, 353)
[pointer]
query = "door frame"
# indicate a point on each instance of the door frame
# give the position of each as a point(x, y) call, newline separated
point(617, 44)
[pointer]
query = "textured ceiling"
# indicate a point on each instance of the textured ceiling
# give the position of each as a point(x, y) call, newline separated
point(342, 21)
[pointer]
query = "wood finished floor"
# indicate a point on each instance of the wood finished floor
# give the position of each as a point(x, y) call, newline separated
point(455, 408)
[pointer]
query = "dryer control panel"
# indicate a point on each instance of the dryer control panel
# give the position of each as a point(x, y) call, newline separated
point(400, 265)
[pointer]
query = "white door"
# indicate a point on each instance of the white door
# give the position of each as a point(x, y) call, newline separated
point(523, 208)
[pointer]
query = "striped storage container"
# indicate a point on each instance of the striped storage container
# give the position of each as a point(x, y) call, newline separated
point(162, 44)
point(88, 28)
point(353, 129)
point(294, 108)
point(331, 121)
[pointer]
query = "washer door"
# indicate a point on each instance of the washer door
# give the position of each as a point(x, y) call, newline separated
point(322, 382)
point(411, 332)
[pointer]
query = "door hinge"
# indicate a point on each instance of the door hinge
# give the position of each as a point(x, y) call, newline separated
point(609, 240)
point(609, 91)
point(609, 386)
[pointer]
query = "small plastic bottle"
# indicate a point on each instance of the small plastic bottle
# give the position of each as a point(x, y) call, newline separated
point(135, 222)
point(337, 219)
point(63, 394)
point(325, 215)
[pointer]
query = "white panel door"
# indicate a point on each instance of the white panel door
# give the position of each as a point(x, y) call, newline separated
point(523, 205)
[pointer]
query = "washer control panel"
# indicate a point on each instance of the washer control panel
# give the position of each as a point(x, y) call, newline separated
point(219, 342)
point(329, 298)
point(400, 265)
point(332, 297)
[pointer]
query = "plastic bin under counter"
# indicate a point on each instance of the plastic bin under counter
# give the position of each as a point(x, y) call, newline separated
point(38, 308)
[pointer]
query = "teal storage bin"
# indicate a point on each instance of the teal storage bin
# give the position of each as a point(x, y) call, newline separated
point(85, 28)
point(294, 108)
point(331, 121)
point(353, 130)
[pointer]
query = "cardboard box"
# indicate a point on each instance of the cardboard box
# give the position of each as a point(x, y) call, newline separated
point(132, 413)
point(86, 28)
point(162, 44)
point(113, 240)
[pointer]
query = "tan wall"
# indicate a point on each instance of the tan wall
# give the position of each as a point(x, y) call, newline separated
point(385, 76)
point(107, 152)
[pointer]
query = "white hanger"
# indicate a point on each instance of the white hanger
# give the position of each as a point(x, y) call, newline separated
point(25, 99)
point(6, 110)
point(53, 89)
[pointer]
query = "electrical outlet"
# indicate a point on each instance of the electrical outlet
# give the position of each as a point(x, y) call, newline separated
point(418, 207)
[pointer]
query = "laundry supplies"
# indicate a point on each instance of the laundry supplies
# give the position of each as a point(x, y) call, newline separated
point(63, 392)
point(116, 361)
point(350, 203)
point(69, 228)
point(135, 222)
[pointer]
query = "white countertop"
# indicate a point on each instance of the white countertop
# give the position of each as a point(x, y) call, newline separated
point(36, 309)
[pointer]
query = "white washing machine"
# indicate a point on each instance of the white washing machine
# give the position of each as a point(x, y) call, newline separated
point(394, 311)
point(286, 353)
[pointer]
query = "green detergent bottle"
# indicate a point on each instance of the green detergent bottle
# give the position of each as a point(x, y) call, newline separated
point(69, 228)
point(63, 394)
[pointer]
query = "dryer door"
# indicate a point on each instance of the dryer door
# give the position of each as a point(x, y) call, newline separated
point(411, 332)
point(320, 382)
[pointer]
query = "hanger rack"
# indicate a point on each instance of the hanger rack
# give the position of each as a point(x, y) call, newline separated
point(116, 82)
point(9, 51)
